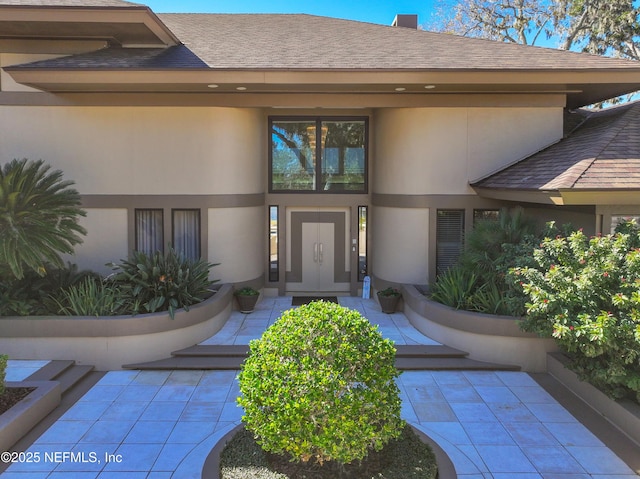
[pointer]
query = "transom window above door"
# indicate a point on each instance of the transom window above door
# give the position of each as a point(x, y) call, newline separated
point(318, 155)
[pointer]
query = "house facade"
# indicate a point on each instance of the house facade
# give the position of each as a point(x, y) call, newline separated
point(301, 153)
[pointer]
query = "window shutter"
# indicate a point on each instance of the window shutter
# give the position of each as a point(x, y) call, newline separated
point(449, 238)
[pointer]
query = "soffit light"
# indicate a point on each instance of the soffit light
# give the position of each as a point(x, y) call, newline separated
point(241, 88)
point(400, 88)
point(212, 85)
point(429, 87)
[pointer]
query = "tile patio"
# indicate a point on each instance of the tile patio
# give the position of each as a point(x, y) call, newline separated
point(162, 424)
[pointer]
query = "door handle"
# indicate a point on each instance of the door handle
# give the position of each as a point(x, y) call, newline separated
point(315, 252)
point(321, 248)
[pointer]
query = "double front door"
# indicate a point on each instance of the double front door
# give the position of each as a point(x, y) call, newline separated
point(318, 254)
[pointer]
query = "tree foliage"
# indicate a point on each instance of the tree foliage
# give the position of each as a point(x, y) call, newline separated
point(604, 27)
point(39, 213)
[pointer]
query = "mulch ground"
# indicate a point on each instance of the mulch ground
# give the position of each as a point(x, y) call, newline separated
point(11, 397)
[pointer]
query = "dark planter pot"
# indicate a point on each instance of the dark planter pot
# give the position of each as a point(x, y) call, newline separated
point(247, 303)
point(388, 304)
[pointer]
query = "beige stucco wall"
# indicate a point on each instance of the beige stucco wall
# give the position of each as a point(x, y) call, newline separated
point(439, 150)
point(400, 244)
point(237, 241)
point(106, 239)
point(7, 59)
point(142, 150)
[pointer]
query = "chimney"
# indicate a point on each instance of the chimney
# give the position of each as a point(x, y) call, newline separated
point(406, 21)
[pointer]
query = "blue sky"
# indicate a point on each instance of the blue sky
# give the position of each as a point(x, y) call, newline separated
point(381, 11)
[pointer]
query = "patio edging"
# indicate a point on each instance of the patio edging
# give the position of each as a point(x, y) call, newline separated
point(624, 415)
point(27, 413)
point(109, 342)
point(485, 337)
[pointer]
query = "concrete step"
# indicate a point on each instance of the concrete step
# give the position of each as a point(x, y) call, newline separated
point(408, 357)
point(214, 350)
point(428, 350)
point(66, 372)
point(73, 376)
point(450, 364)
point(52, 370)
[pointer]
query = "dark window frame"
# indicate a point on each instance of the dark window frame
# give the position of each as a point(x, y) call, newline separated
point(136, 232)
point(199, 226)
point(318, 167)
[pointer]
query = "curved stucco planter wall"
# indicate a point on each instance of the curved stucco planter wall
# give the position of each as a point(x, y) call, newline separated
point(109, 342)
point(485, 337)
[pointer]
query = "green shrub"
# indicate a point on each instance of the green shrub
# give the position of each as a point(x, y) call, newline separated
point(247, 291)
point(91, 297)
point(3, 372)
point(585, 293)
point(480, 280)
point(320, 384)
point(162, 282)
point(36, 295)
point(455, 287)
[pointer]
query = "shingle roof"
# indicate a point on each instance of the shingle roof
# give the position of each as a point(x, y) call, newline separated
point(602, 153)
point(142, 58)
point(67, 3)
point(307, 41)
point(298, 41)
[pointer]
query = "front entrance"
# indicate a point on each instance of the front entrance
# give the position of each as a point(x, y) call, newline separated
point(317, 246)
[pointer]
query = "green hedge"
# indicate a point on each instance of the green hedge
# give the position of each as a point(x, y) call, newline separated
point(320, 385)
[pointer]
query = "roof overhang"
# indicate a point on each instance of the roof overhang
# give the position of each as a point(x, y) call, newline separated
point(564, 197)
point(580, 87)
point(131, 25)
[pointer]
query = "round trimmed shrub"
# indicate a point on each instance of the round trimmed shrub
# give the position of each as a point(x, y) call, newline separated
point(320, 384)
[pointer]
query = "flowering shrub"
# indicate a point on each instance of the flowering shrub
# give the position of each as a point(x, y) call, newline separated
point(586, 294)
point(320, 384)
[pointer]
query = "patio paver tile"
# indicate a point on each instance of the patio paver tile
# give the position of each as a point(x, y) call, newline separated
point(493, 425)
point(552, 459)
point(163, 411)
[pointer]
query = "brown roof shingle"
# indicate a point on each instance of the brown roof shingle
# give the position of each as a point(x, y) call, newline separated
point(307, 42)
point(67, 3)
point(602, 153)
point(300, 41)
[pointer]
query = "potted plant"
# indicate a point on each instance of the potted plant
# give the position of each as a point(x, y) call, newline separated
point(247, 298)
point(388, 299)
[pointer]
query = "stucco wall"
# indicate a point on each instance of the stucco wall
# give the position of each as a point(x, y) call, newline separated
point(400, 245)
point(105, 241)
point(118, 155)
point(439, 150)
point(236, 241)
point(142, 150)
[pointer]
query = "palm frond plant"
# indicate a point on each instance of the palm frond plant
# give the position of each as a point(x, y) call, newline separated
point(39, 218)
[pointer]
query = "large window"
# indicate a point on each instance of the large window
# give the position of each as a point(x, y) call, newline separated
point(318, 155)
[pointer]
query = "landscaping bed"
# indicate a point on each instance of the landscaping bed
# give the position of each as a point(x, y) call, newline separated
point(405, 458)
point(11, 397)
